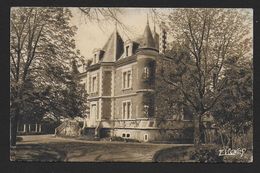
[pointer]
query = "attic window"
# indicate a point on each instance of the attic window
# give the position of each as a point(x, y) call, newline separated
point(95, 59)
point(83, 67)
point(127, 50)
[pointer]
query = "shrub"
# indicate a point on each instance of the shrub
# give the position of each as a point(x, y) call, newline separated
point(207, 155)
point(132, 140)
point(117, 138)
point(19, 139)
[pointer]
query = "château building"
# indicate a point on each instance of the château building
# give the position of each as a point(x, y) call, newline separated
point(120, 82)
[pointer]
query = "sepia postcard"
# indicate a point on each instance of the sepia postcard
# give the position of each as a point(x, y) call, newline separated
point(92, 84)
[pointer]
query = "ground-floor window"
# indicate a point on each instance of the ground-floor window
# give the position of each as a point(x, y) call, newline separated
point(93, 110)
point(125, 135)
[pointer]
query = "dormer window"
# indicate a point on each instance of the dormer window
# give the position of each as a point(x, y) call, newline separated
point(127, 51)
point(83, 67)
point(95, 59)
point(97, 55)
point(128, 48)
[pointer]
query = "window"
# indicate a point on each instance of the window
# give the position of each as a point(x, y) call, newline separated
point(146, 72)
point(94, 84)
point(83, 67)
point(95, 59)
point(125, 135)
point(127, 50)
point(94, 111)
point(126, 110)
point(145, 137)
point(127, 79)
point(151, 123)
point(124, 79)
point(146, 110)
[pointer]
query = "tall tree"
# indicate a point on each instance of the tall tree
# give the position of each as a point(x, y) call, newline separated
point(234, 113)
point(209, 37)
point(41, 49)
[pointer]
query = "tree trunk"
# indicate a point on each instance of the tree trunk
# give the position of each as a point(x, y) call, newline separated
point(231, 140)
point(197, 131)
point(13, 124)
point(222, 140)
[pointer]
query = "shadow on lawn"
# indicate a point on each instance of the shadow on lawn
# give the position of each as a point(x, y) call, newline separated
point(174, 154)
point(83, 152)
point(54, 151)
point(39, 152)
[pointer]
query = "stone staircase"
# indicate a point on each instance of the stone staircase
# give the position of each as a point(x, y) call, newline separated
point(68, 128)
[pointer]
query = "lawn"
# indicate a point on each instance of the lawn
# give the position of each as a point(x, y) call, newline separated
point(50, 148)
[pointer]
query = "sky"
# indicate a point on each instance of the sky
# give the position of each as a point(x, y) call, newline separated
point(90, 35)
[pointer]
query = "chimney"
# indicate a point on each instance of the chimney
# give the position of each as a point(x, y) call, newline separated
point(162, 40)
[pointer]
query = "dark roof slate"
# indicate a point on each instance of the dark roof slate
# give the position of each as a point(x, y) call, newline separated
point(147, 40)
point(113, 48)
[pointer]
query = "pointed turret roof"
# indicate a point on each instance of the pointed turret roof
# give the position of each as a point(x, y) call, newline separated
point(113, 48)
point(147, 40)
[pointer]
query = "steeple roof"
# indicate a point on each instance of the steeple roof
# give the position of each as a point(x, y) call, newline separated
point(113, 48)
point(147, 40)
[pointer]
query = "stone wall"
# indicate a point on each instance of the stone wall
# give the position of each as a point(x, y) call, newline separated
point(153, 135)
point(106, 108)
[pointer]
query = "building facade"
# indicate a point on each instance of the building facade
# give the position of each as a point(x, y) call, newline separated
point(120, 81)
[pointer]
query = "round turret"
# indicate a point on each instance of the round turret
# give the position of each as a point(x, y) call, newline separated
point(146, 65)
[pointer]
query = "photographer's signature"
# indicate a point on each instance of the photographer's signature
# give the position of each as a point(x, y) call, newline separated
point(232, 152)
